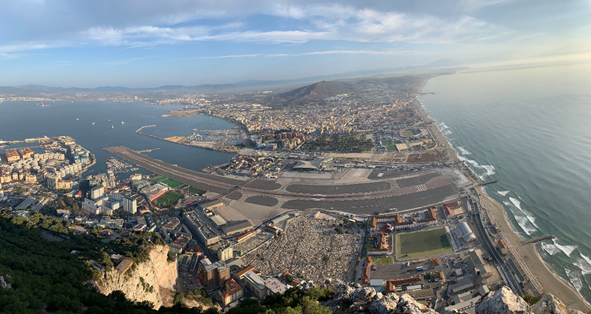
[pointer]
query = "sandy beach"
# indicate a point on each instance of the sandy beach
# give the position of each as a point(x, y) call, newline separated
point(550, 282)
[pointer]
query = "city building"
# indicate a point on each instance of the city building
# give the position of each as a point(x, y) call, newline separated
point(225, 253)
point(255, 284)
point(233, 292)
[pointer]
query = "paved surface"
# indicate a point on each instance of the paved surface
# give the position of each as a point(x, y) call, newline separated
point(363, 198)
point(388, 174)
point(422, 179)
point(262, 200)
point(369, 206)
point(235, 196)
point(339, 189)
point(262, 184)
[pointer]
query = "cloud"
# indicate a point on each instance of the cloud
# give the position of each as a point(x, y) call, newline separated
point(325, 52)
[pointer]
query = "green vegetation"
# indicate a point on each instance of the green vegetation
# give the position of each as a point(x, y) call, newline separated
point(47, 277)
point(292, 301)
point(390, 146)
point(341, 143)
point(168, 199)
point(193, 190)
point(171, 183)
point(423, 243)
point(408, 133)
point(383, 261)
point(530, 299)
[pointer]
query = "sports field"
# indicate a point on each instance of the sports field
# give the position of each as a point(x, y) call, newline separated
point(171, 183)
point(408, 133)
point(391, 147)
point(422, 243)
point(169, 198)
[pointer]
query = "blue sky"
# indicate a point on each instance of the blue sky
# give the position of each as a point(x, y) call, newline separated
point(159, 42)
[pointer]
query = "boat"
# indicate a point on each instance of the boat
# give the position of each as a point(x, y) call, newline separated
point(112, 127)
point(77, 119)
point(122, 122)
point(45, 105)
point(37, 104)
point(93, 124)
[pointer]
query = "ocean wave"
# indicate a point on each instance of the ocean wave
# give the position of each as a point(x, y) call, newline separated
point(575, 279)
point(522, 220)
point(550, 248)
point(490, 170)
point(584, 264)
point(527, 214)
point(566, 249)
point(503, 193)
point(464, 151)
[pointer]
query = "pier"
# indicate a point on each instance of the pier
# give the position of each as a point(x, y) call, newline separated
point(149, 150)
point(538, 239)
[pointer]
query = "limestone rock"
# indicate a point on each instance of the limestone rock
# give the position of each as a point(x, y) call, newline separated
point(502, 301)
point(384, 304)
point(408, 305)
point(549, 304)
point(148, 281)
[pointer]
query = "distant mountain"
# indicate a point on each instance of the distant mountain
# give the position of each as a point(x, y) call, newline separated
point(316, 92)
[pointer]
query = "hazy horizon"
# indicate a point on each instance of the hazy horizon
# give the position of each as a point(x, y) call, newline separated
point(153, 43)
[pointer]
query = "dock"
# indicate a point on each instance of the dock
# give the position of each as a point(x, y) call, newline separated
point(538, 239)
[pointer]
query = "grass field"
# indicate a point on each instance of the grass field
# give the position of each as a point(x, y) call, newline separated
point(408, 133)
point(193, 190)
point(168, 199)
point(171, 183)
point(391, 147)
point(423, 243)
point(382, 261)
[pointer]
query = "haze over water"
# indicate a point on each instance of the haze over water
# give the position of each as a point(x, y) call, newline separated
point(530, 129)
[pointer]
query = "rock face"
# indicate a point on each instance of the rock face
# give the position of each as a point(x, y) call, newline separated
point(502, 301)
point(549, 304)
point(147, 281)
point(366, 300)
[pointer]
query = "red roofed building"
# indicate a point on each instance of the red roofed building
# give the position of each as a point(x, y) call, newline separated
point(245, 236)
point(233, 292)
point(395, 282)
point(240, 274)
point(449, 207)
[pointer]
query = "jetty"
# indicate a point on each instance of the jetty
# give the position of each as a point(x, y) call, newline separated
point(538, 239)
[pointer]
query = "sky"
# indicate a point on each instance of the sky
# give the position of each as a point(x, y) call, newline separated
point(149, 43)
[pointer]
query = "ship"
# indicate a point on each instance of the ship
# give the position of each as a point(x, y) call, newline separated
point(45, 105)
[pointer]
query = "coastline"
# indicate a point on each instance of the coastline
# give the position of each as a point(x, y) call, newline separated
point(550, 281)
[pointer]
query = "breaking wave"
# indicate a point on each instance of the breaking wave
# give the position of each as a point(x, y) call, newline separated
point(503, 193)
point(584, 263)
point(464, 151)
point(566, 249)
point(575, 279)
point(550, 248)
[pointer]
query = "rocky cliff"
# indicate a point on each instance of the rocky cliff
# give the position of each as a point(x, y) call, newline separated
point(360, 299)
point(152, 280)
point(366, 300)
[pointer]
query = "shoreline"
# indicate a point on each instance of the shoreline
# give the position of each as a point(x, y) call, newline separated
point(549, 280)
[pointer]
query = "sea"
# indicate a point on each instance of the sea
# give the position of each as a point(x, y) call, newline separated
point(530, 129)
point(114, 125)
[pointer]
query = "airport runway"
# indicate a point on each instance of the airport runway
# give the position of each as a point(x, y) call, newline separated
point(429, 189)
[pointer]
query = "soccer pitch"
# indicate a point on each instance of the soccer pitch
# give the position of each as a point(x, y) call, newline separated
point(422, 243)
